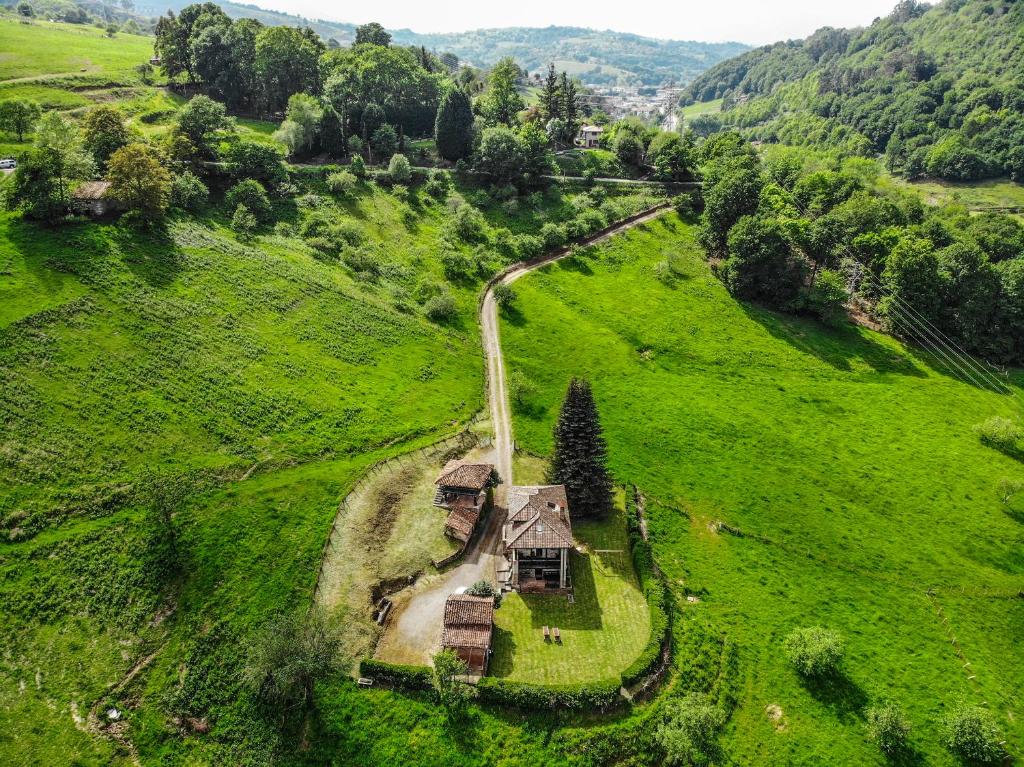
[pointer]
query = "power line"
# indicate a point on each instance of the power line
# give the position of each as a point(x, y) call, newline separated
point(951, 351)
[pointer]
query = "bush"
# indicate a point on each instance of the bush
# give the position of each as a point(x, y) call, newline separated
point(243, 221)
point(689, 734)
point(438, 183)
point(527, 246)
point(342, 183)
point(399, 169)
point(403, 677)
point(578, 697)
point(468, 223)
point(684, 206)
point(441, 308)
point(888, 727)
point(553, 236)
point(504, 295)
point(1000, 433)
point(972, 735)
point(827, 298)
point(457, 265)
point(485, 589)
point(252, 195)
point(815, 652)
point(188, 192)
point(357, 166)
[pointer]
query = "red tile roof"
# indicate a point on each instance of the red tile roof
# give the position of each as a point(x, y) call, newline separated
point(463, 473)
point(463, 520)
point(538, 518)
point(468, 621)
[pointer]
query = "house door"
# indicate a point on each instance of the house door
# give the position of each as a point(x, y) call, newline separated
point(538, 573)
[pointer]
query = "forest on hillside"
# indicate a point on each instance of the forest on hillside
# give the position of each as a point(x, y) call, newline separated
point(938, 90)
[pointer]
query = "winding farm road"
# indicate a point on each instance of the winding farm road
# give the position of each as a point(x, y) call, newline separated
point(497, 394)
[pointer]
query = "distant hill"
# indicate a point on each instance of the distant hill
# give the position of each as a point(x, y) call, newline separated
point(594, 56)
point(938, 89)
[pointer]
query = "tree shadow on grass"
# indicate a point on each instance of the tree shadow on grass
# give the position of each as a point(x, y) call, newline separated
point(584, 613)
point(837, 346)
point(840, 694)
point(151, 254)
point(577, 264)
point(512, 315)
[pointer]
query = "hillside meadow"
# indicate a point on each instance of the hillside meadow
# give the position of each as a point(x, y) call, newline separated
point(853, 490)
point(245, 384)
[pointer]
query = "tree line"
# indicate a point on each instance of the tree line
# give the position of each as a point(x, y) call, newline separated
point(813, 240)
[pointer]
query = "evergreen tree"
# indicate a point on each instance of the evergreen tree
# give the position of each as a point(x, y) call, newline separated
point(570, 105)
point(580, 453)
point(453, 128)
point(551, 96)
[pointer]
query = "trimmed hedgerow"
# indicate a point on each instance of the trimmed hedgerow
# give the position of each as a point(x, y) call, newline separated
point(588, 696)
point(403, 677)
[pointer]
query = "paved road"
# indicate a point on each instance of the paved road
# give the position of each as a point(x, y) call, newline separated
point(414, 630)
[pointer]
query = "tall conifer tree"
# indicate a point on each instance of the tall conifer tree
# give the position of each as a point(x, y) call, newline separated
point(453, 128)
point(550, 97)
point(580, 454)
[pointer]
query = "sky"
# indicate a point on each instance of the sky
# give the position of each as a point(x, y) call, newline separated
point(747, 21)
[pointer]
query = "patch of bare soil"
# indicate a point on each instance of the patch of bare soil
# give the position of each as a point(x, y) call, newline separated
point(776, 716)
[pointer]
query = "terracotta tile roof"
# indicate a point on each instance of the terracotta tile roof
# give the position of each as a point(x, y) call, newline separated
point(538, 518)
point(463, 520)
point(463, 473)
point(91, 190)
point(468, 621)
point(468, 610)
point(466, 636)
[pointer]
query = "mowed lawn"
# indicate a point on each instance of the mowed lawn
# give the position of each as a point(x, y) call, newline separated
point(603, 630)
point(849, 464)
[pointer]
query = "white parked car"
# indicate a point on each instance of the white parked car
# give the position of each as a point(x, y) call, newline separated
point(8, 164)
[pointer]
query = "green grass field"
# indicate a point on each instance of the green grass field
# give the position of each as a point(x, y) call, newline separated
point(994, 193)
point(846, 460)
point(603, 630)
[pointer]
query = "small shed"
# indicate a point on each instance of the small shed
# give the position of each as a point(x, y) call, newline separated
point(468, 629)
point(92, 198)
point(462, 488)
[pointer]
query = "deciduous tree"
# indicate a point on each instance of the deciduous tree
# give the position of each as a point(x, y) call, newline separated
point(139, 181)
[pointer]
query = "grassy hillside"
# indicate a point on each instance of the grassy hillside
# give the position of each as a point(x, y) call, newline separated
point(849, 466)
point(936, 88)
point(246, 382)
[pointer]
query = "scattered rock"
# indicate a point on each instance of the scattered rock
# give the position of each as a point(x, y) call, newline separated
point(113, 714)
point(776, 716)
point(692, 599)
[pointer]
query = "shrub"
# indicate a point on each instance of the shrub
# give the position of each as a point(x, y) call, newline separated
point(357, 166)
point(457, 265)
point(520, 387)
point(689, 734)
point(342, 183)
point(188, 192)
point(485, 589)
point(363, 261)
point(1000, 433)
point(441, 308)
point(553, 235)
point(827, 298)
point(252, 195)
point(504, 295)
point(468, 223)
point(438, 184)
point(972, 735)
point(815, 652)
point(527, 246)
point(243, 221)
point(684, 206)
point(403, 677)
point(399, 169)
point(592, 221)
point(888, 727)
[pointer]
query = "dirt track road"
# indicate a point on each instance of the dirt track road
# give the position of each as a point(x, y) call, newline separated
point(497, 392)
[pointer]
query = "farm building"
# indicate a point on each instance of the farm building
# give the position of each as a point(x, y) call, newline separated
point(468, 628)
point(589, 136)
point(462, 488)
point(537, 537)
point(92, 198)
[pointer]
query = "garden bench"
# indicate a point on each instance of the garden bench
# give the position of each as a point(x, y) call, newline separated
point(547, 633)
point(364, 682)
point(558, 636)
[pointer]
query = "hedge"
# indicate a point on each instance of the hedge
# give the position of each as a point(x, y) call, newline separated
point(603, 694)
point(654, 592)
point(403, 677)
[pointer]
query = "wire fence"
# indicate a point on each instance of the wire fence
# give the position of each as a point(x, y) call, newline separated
point(461, 441)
